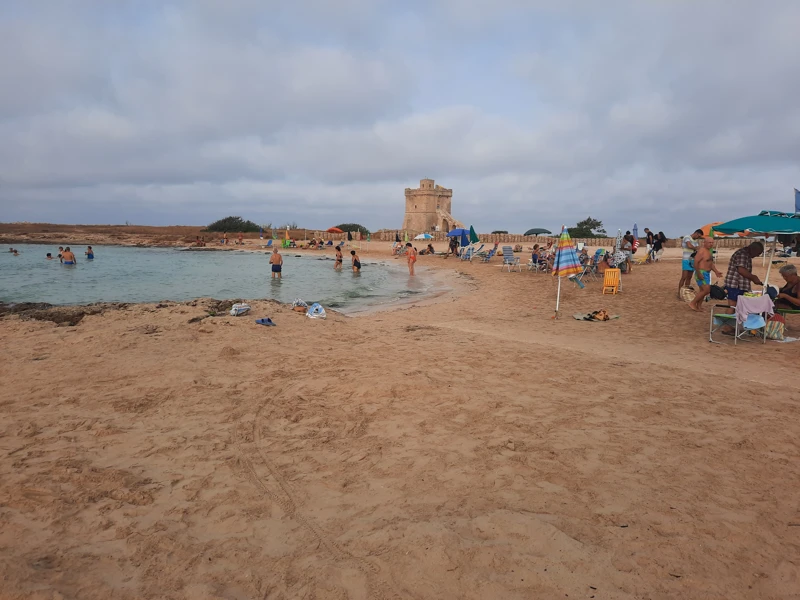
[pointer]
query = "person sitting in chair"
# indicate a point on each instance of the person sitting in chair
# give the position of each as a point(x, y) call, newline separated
point(789, 295)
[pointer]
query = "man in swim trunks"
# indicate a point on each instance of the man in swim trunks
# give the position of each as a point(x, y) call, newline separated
point(337, 266)
point(703, 265)
point(276, 260)
point(689, 245)
point(67, 257)
point(356, 262)
point(411, 253)
point(89, 253)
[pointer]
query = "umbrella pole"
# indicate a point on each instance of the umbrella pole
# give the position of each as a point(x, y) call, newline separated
point(769, 266)
point(558, 296)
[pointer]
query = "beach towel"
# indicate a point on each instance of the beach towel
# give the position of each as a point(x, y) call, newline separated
point(598, 315)
point(238, 310)
point(753, 305)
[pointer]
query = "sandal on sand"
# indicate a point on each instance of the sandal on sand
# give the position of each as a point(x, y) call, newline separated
point(266, 321)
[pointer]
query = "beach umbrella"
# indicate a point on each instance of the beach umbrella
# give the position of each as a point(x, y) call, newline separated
point(635, 237)
point(405, 235)
point(334, 230)
point(765, 223)
point(538, 231)
point(397, 238)
point(457, 232)
point(261, 233)
point(424, 236)
point(473, 237)
point(566, 262)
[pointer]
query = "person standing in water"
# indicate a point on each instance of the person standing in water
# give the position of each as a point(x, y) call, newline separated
point(68, 257)
point(356, 262)
point(411, 253)
point(89, 253)
point(276, 260)
point(337, 266)
point(60, 252)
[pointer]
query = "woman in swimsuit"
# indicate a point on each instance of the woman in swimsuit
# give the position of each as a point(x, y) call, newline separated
point(411, 252)
point(337, 266)
point(356, 262)
point(789, 295)
point(89, 253)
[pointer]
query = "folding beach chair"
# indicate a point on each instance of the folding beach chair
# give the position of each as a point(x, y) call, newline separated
point(611, 281)
point(467, 253)
point(509, 260)
point(489, 255)
point(269, 244)
point(753, 324)
point(590, 269)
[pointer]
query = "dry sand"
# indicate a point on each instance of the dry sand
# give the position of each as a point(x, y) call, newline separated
point(469, 448)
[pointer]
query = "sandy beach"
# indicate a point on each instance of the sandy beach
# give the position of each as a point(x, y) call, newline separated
point(467, 447)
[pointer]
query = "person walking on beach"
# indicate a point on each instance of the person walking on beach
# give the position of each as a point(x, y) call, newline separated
point(276, 260)
point(68, 258)
point(356, 262)
point(411, 253)
point(225, 238)
point(703, 265)
point(689, 246)
point(337, 266)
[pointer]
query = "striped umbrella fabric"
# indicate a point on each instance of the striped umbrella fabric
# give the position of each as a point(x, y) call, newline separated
point(566, 261)
point(635, 237)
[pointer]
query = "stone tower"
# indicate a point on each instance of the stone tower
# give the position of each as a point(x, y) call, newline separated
point(428, 207)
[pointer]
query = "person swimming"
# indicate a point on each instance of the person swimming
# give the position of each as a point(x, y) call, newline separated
point(89, 253)
point(68, 257)
point(49, 256)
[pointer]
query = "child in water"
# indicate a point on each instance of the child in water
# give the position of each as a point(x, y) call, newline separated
point(356, 262)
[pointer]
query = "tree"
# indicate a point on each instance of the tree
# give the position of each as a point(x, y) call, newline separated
point(233, 224)
point(499, 231)
point(353, 227)
point(588, 228)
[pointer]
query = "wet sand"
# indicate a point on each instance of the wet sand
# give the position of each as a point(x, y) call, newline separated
point(472, 447)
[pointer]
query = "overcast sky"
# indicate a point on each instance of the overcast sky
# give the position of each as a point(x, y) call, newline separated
point(669, 113)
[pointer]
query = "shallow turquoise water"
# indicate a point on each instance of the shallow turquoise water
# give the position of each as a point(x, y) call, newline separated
point(121, 274)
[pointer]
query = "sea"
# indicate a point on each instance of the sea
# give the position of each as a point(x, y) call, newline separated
point(126, 274)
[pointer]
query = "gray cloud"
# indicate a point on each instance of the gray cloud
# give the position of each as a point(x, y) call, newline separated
point(535, 113)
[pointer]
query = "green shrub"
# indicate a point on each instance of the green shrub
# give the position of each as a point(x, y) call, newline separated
point(353, 227)
point(233, 224)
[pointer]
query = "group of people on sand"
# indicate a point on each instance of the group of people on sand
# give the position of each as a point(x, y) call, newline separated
point(698, 264)
point(67, 256)
point(224, 240)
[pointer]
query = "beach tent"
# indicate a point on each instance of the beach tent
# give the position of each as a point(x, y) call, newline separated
point(334, 230)
point(565, 263)
point(764, 224)
point(538, 231)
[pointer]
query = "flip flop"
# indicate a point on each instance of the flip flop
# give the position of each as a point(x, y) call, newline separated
point(266, 321)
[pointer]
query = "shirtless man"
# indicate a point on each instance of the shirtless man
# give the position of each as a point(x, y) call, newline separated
point(68, 257)
point(703, 265)
point(276, 260)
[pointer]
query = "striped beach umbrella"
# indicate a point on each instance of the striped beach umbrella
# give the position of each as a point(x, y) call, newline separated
point(566, 262)
point(635, 237)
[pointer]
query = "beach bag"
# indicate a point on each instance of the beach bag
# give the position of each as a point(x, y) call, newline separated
point(238, 310)
point(315, 311)
point(299, 302)
point(718, 293)
point(776, 327)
